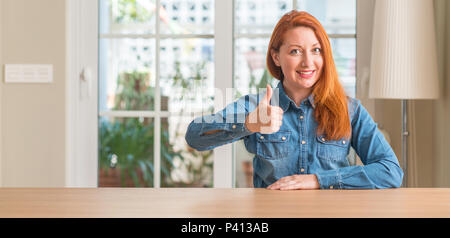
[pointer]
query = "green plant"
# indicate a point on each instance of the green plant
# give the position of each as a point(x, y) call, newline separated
point(197, 164)
point(130, 11)
point(265, 79)
point(127, 143)
point(134, 92)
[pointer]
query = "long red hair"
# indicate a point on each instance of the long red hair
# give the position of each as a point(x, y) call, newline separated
point(331, 110)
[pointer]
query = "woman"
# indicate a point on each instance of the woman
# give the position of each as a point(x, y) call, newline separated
point(301, 132)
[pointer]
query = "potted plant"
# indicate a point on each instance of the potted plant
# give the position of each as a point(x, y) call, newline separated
point(126, 144)
point(196, 165)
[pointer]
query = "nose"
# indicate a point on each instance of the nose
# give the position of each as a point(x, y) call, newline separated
point(306, 61)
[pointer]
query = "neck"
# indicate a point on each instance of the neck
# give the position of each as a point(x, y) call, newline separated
point(296, 94)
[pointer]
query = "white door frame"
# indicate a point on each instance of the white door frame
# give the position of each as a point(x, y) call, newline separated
point(1, 97)
point(81, 93)
point(223, 80)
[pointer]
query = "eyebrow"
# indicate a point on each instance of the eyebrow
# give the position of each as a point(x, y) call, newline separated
point(317, 43)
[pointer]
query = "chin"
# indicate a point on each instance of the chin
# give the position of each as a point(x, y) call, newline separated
point(305, 83)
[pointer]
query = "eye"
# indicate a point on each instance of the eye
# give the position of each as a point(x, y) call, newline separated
point(295, 51)
point(317, 50)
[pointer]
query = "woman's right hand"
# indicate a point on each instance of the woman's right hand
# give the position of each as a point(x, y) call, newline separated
point(265, 119)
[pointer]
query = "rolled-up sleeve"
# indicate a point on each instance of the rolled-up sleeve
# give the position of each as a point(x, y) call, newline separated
point(230, 123)
point(381, 168)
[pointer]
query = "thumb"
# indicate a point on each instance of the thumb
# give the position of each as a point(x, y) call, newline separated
point(268, 95)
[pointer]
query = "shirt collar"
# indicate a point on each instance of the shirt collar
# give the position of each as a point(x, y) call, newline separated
point(283, 100)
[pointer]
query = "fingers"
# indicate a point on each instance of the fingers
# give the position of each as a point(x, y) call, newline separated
point(278, 110)
point(270, 113)
point(287, 183)
point(270, 128)
point(272, 186)
point(266, 119)
point(291, 186)
point(268, 96)
point(286, 186)
point(276, 113)
point(271, 119)
point(278, 184)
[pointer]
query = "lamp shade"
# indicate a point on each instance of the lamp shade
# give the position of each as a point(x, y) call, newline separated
point(404, 58)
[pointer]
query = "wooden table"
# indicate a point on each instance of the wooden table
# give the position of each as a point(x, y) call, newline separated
point(225, 203)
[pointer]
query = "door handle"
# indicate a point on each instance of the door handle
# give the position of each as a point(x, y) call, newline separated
point(86, 78)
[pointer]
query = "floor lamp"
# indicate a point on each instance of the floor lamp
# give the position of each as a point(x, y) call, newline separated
point(403, 61)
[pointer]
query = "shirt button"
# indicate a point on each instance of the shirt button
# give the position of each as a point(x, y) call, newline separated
point(283, 138)
point(323, 139)
point(301, 117)
point(331, 187)
point(261, 137)
point(234, 126)
point(303, 142)
point(343, 142)
point(302, 170)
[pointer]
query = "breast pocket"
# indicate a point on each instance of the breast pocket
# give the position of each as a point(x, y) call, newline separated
point(332, 153)
point(273, 146)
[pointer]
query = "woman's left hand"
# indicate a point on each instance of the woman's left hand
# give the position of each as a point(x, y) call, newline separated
point(298, 181)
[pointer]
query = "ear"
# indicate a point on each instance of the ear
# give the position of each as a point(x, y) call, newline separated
point(275, 57)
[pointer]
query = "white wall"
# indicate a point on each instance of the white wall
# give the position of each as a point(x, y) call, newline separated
point(33, 115)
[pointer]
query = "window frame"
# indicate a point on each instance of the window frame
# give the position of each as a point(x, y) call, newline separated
point(157, 114)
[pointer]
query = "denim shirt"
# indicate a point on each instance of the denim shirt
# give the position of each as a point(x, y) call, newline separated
point(297, 149)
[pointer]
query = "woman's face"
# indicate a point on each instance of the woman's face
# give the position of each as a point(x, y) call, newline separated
point(300, 58)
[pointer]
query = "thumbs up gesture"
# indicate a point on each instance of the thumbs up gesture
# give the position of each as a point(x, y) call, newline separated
point(265, 118)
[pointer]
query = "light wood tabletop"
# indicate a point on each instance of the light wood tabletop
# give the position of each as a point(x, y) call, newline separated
point(222, 203)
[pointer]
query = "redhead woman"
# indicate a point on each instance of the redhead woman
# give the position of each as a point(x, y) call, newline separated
point(301, 131)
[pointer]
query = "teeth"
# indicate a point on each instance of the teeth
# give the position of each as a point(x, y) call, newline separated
point(310, 72)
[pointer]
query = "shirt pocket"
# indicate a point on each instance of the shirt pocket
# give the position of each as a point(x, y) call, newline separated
point(332, 153)
point(273, 146)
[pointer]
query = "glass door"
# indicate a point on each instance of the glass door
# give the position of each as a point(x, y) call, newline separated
point(153, 56)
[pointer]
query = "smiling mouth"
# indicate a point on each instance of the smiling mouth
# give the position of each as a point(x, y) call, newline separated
point(306, 74)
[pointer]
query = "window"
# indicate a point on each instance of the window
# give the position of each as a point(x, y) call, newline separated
point(153, 54)
point(150, 62)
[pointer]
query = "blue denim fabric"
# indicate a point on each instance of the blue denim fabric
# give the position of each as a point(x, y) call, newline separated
point(297, 149)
